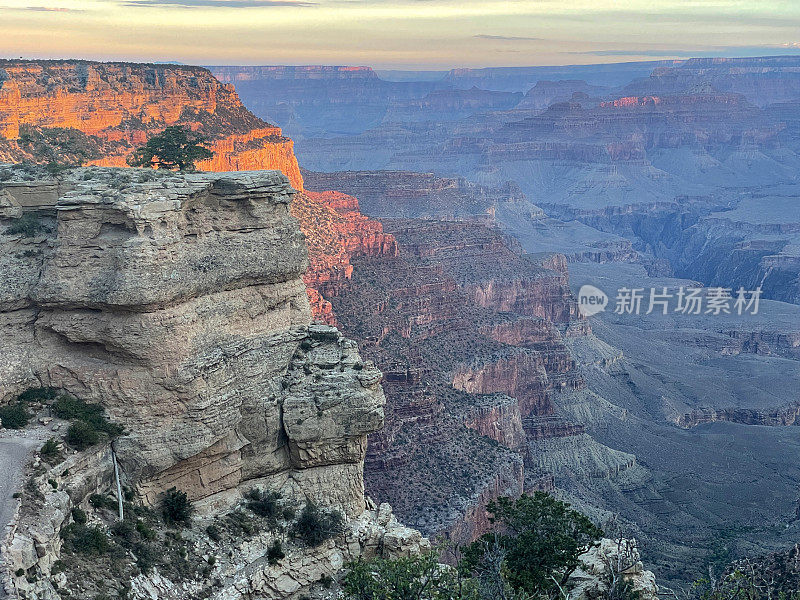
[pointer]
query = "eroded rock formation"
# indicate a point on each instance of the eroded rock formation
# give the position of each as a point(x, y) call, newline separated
point(99, 112)
point(464, 376)
point(336, 231)
point(177, 302)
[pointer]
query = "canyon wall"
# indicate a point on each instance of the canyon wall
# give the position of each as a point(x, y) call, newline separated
point(335, 231)
point(99, 112)
point(462, 377)
point(177, 302)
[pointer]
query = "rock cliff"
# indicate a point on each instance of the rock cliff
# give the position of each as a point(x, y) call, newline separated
point(99, 112)
point(79, 111)
point(177, 302)
point(336, 231)
point(464, 378)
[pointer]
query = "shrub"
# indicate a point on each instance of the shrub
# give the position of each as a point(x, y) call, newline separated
point(315, 525)
point(125, 531)
point(28, 225)
point(264, 504)
point(97, 501)
point(275, 552)
point(214, 533)
point(418, 577)
point(85, 539)
point(540, 541)
point(14, 416)
point(175, 507)
point(41, 394)
point(145, 530)
point(239, 523)
point(50, 449)
point(79, 516)
point(81, 435)
point(94, 415)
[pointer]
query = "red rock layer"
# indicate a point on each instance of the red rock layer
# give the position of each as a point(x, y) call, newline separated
point(335, 232)
point(108, 109)
point(117, 106)
point(462, 378)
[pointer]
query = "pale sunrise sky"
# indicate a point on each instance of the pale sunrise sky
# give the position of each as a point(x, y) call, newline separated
point(415, 34)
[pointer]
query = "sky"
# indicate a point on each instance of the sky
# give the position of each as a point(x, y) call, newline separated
point(397, 34)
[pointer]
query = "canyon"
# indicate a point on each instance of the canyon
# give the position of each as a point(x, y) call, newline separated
point(177, 303)
point(450, 222)
point(661, 174)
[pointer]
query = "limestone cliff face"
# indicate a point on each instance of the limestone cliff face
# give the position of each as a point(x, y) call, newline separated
point(101, 111)
point(178, 303)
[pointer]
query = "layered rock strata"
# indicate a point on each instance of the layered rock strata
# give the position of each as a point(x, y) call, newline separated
point(336, 231)
point(74, 111)
point(464, 371)
point(177, 302)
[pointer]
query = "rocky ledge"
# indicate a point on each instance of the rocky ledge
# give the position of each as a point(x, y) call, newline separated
point(178, 303)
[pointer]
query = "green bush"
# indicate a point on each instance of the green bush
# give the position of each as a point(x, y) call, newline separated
point(84, 539)
point(50, 449)
point(125, 531)
point(81, 435)
point(214, 533)
point(275, 552)
point(264, 504)
point(79, 516)
point(145, 530)
point(98, 501)
point(73, 409)
point(416, 577)
point(14, 416)
point(175, 507)
point(239, 523)
point(540, 540)
point(314, 526)
point(28, 225)
point(41, 394)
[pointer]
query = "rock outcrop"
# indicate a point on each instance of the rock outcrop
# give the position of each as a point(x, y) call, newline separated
point(612, 562)
point(99, 112)
point(177, 302)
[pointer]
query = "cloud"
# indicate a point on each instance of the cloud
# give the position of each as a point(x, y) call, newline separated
point(507, 38)
point(708, 52)
point(41, 8)
point(218, 3)
point(791, 45)
point(668, 52)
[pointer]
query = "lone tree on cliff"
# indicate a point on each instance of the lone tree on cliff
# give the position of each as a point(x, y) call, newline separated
point(535, 548)
point(174, 148)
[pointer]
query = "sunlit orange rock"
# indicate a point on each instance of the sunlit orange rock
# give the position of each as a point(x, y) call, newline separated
point(117, 106)
point(335, 232)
